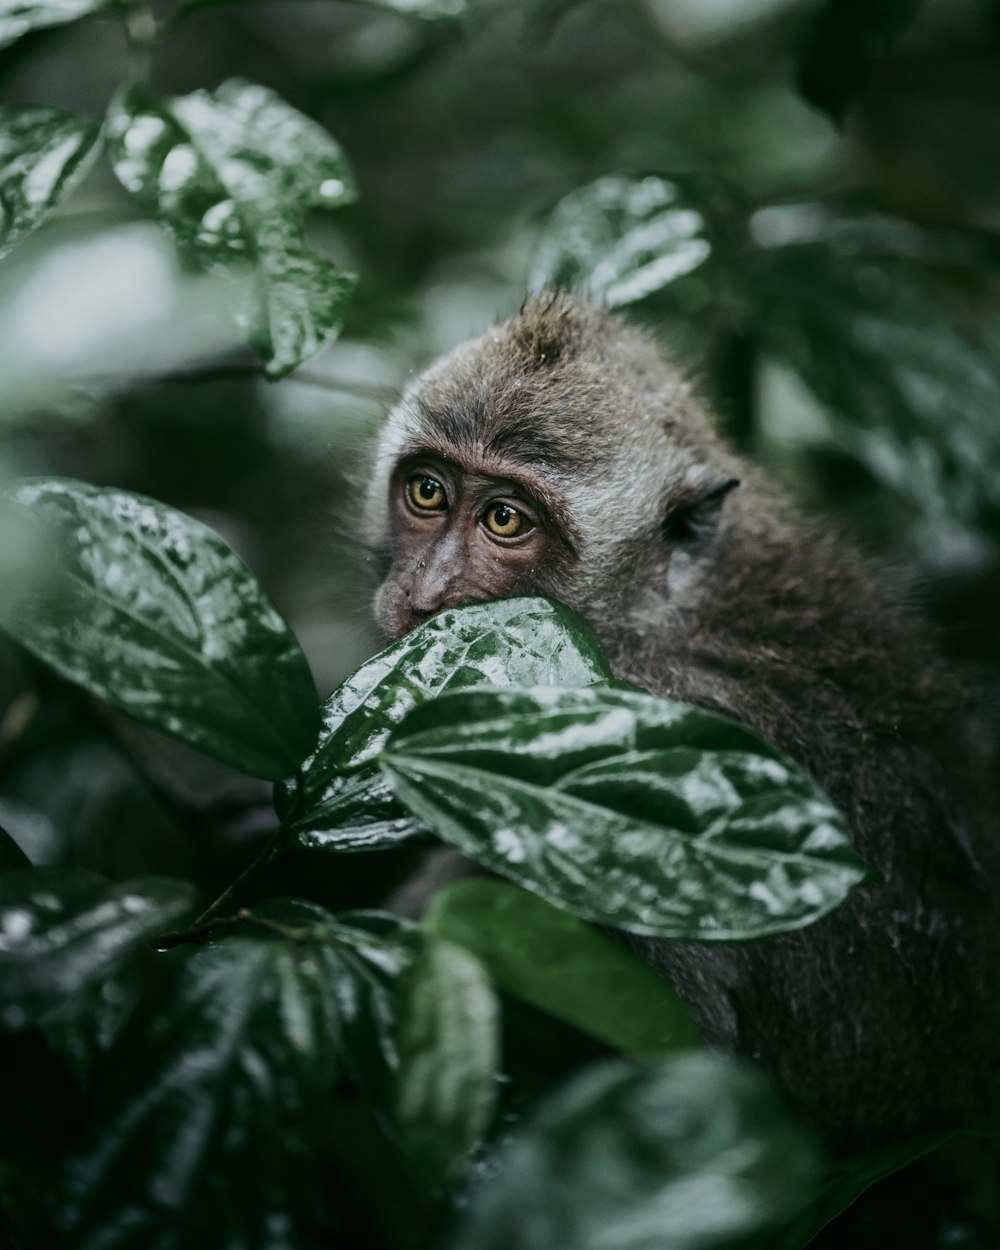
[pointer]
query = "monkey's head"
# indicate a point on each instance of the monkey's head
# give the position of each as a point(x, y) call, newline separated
point(556, 455)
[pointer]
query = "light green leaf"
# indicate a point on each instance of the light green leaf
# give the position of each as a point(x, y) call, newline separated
point(18, 17)
point(620, 239)
point(61, 930)
point(627, 809)
point(691, 1156)
point(44, 153)
point(562, 966)
point(340, 800)
point(150, 610)
point(232, 174)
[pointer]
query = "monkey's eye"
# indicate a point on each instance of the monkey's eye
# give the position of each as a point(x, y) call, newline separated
point(504, 521)
point(426, 493)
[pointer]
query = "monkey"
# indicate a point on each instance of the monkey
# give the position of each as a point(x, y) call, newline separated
point(561, 454)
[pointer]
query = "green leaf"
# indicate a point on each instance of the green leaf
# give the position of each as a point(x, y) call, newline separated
point(61, 930)
point(340, 801)
point(18, 17)
point(44, 153)
point(11, 855)
point(626, 809)
point(618, 240)
point(419, 1031)
point(214, 1106)
point(232, 175)
point(690, 1156)
point(847, 40)
point(910, 383)
point(844, 1180)
point(150, 610)
point(559, 964)
point(430, 10)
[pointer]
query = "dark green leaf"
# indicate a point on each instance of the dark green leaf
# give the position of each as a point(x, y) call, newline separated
point(62, 929)
point(341, 801)
point(843, 1181)
point(555, 962)
point(216, 1102)
point(11, 855)
point(232, 174)
point(44, 153)
point(17, 17)
point(911, 385)
point(153, 612)
point(847, 40)
point(689, 1156)
point(419, 1023)
point(619, 239)
point(627, 809)
point(427, 9)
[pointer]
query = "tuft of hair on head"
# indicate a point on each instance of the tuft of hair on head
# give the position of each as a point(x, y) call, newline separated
point(550, 329)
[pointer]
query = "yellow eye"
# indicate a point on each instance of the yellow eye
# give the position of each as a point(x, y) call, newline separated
point(426, 493)
point(504, 521)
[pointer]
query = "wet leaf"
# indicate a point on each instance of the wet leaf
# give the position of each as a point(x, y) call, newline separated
point(61, 930)
point(44, 153)
point(232, 174)
point(18, 17)
point(910, 384)
point(620, 239)
point(150, 610)
point(11, 855)
point(559, 964)
point(691, 1155)
point(626, 809)
point(419, 1031)
point(215, 1104)
point(340, 801)
point(847, 40)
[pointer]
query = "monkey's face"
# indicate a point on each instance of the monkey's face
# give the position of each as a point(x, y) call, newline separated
point(462, 534)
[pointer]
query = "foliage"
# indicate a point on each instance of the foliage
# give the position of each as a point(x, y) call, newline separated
point(214, 1028)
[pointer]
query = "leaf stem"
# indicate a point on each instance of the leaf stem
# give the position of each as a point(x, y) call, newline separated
point(271, 849)
point(142, 31)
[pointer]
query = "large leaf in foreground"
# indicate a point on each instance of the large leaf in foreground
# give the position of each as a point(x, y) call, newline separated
point(340, 800)
point(419, 1033)
point(214, 1106)
point(44, 152)
point(627, 809)
point(620, 239)
point(232, 174)
point(150, 610)
point(62, 929)
point(565, 967)
point(692, 1155)
point(18, 17)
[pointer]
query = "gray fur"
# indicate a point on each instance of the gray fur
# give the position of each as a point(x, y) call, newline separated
point(880, 1018)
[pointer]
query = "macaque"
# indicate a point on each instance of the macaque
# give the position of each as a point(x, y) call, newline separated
point(559, 455)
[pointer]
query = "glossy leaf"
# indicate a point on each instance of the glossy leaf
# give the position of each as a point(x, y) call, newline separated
point(620, 239)
point(11, 855)
point(692, 1155)
point(150, 610)
point(847, 40)
point(18, 17)
point(232, 174)
point(214, 1105)
point(44, 152)
point(627, 809)
point(419, 1031)
point(565, 967)
point(340, 801)
point(61, 930)
point(910, 385)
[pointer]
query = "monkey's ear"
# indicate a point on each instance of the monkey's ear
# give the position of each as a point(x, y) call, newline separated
point(693, 515)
